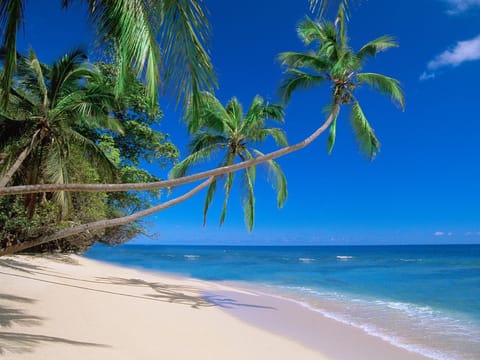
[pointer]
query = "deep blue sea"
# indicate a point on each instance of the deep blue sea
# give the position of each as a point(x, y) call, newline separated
point(423, 298)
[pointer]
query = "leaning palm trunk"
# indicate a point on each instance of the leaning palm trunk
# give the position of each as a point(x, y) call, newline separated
point(103, 224)
point(210, 174)
point(20, 159)
point(30, 189)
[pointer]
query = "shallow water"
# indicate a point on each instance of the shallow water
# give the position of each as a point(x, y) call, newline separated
point(423, 298)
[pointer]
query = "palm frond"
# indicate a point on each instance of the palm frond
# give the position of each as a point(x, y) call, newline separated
point(297, 79)
point(11, 18)
point(369, 143)
point(332, 136)
point(308, 60)
point(129, 24)
point(201, 155)
point(188, 69)
point(55, 172)
point(310, 31)
point(208, 200)
point(320, 6)
point(67, 69)
point(280, 181)
point(235, 111)
point(37, 69)
point(385, 85)
point(206, 139)
point(212, 115)
point(97, 157)
point(228, 188)
point(258, 135)
point(248, 200)
point(372, 48)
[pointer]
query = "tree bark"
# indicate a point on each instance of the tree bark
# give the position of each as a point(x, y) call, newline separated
point(103, 224)
point(29, 189)
point(20, 159)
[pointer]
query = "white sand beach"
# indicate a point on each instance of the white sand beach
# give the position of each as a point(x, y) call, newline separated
point(69, 307)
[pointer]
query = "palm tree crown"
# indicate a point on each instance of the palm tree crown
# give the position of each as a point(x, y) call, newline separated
point(131, 28)
point(230, 131)
point(332, 60)
point(48, 106)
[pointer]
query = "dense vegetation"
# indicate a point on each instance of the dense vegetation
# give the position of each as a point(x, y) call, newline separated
point(63, 124)
point(73, 135)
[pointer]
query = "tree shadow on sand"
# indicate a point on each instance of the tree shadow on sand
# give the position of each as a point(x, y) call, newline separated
point(19, 342)
point(181, 294)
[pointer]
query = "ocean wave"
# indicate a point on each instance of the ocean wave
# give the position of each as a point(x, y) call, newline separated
point(306, 260)
point(344, 257)
point(372, 330)
point(191, 257)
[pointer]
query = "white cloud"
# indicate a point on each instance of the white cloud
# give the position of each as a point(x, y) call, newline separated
point(426, 76)
point(438, 233)
point(466, 50)
point(460, 6)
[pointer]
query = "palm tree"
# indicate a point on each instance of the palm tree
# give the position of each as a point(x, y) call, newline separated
point(132, 27)
point(47, 107)
point(311, 69)
point(230, 131)
point(332, 60)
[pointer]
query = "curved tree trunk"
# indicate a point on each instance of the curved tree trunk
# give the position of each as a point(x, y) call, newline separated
point(103, 224)
point(28, 189)
point(13, 169)
point(211, 174)
point(21, 158)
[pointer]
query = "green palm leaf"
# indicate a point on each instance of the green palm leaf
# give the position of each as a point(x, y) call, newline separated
point(65, 71)
point(249, 199)
point(235, 111)
point(228, 188)
point(332, 136)
point(372, 48)
point(280, 181)
point(208, 200)
point(211, 116)
point(277, 134)
point(128, 24)
point(369, 143)
point(11, 18)
point(297, 79)
point(384, 84)
point(55, 172)
point(205, 139)
point(184, 33)
point(304, 60)
point(201, 155)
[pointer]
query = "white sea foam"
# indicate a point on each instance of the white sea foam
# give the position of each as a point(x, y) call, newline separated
point(191, 257)
point(370, 312)
point(306, 260)
point(344, 257)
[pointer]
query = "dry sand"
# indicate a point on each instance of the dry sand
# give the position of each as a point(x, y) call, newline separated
point(69, 307)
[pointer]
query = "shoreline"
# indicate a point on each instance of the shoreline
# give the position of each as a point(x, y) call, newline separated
point(87, 308)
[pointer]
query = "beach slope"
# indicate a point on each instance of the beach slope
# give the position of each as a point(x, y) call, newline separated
point(69, 307)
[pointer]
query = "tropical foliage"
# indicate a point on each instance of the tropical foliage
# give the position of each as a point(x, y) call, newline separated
point(230, 132)
point(64, 124)
point(331, 60)
point(48, 106)
point(131, 28)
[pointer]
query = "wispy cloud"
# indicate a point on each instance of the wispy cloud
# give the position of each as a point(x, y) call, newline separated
point(460, 6)
point(463, 51)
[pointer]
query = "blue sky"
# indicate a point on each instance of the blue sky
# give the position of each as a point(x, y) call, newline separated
point(423, 187)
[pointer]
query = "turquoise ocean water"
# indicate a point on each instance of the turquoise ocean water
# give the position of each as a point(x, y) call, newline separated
point(422, 298)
